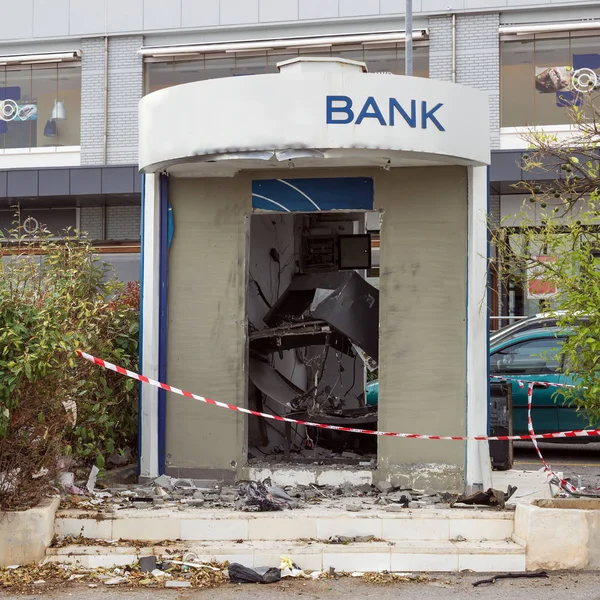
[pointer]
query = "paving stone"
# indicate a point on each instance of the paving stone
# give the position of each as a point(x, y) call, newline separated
point(178, 584)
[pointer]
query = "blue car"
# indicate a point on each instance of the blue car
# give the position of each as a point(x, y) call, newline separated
point(531, 356)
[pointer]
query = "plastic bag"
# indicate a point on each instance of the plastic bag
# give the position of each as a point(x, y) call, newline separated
point(240, 574)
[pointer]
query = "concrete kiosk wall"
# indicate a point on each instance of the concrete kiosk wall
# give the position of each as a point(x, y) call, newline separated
point(423, 322)
point(206, 324)
point(423, 283)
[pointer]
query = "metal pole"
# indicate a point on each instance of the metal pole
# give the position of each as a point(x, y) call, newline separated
point(453, 48)
point(409, 38)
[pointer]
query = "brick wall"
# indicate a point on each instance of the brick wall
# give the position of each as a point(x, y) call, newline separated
point(122, 222)
point(92, 101)
point(90, 221)
point(125, 88)
point(477, 58)
point(495, 210)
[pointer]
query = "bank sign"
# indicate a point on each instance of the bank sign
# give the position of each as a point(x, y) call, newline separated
point(388, 112)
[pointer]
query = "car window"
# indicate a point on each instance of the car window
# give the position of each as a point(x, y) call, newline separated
point(513, 331)
point(539, 356)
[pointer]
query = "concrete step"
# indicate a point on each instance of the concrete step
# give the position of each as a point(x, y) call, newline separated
point(376, 556)
point(316, 524)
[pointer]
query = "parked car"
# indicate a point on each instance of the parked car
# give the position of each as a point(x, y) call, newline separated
point(530, 356)
point(539, 321)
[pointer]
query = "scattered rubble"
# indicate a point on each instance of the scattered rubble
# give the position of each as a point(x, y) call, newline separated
point(251, 496)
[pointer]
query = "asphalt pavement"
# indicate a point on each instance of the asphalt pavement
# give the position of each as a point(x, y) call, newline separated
point(574, 460)
point(558, 586)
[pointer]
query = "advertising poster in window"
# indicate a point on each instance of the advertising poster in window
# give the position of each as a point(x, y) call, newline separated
point(549, 80)
point(538, 286)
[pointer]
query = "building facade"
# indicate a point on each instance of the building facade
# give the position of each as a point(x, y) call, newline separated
point(72, 73)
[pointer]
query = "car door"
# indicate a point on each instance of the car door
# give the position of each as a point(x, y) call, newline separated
point(534, 359)
point(569, 418)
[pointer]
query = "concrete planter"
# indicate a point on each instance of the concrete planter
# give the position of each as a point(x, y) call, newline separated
point(25, 536)
point(560, 533)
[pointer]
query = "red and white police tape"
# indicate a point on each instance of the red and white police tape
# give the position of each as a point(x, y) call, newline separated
point(421, 436)
point(569, 487)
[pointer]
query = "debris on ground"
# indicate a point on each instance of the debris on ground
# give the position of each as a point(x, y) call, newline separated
point(491, 497)
point(168, 572)
point(166, 492)
point(345, 539)
point(256, 496)
point(67, 482)
point(240, 574)
point(535, 575)
point(387, 578)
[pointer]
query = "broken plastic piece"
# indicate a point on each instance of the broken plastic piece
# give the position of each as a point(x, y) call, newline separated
point(240, 574)
point(91, 482)
point(147, 564)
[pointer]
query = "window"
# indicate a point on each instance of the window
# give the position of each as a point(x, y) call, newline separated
point(40, 105)
point(380, 57)
point(539, 356)
point(55, 220)
point(537, 83)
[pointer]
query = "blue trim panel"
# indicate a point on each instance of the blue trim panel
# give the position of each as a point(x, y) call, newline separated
point(309, 195)
point(141, 332)
point(162, 323)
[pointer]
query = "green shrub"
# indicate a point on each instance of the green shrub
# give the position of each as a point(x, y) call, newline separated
point(55, 297)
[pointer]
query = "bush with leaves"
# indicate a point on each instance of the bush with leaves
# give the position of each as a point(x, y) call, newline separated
point(55, 297)
point(558, 243)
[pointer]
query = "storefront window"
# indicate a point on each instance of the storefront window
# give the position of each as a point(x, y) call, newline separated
point(40, 105)
point(540, 77)
point(388, 58)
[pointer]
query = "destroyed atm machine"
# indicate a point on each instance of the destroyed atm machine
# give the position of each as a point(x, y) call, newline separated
point(337, 310)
